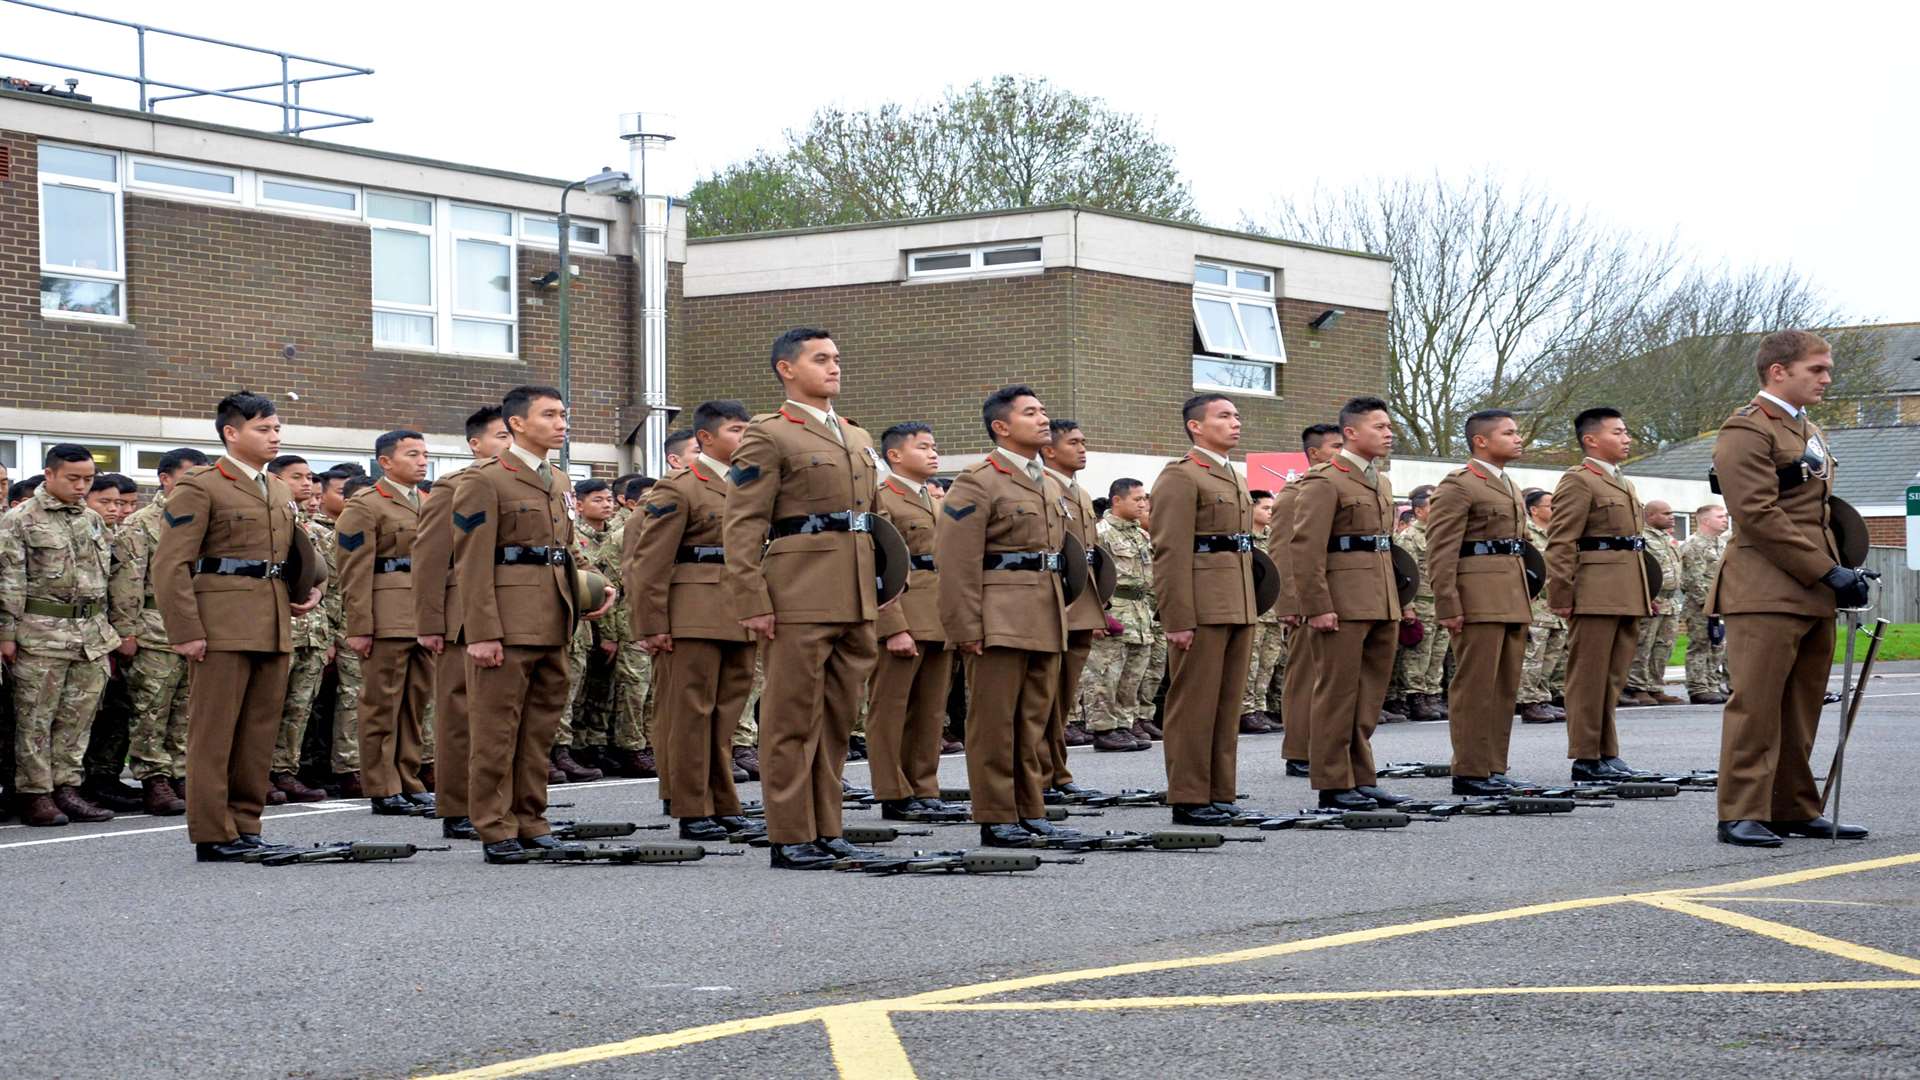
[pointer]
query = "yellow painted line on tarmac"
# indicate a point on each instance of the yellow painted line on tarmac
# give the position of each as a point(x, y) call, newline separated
point(1227, 1000)
point(1791, 935)
point(865, 1044)
point(645, 1044)
point(1786, 900)
point(1796, 877)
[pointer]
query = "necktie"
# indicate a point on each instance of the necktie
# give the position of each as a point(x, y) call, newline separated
point(263, 487)
point(1033, 470)
point(926, 501)
point(413, 498)
point(833, 425)
point(546, 475)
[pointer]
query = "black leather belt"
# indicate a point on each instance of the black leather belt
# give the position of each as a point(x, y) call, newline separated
point(401, 565)
point(838, 521)
point(516, 555)
point(253, 568)
point(1790, 476)
point(1613, 543)
point(1216, 543)
point(700, 553)
point(1359, 542)
point(920, 562)
point(1473, 548)
point(1022, 560)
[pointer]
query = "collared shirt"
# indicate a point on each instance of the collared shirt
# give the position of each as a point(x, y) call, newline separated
point(1066, 481)
point(1366, 466)
point(1492, 468)
point(1606, 467)
point(533, 461)
point(412, 493)
point(826, 416)
point(712, 466)
point(1793, 411)
point(1216, 457)
point(1030, 466)
point(259, 478)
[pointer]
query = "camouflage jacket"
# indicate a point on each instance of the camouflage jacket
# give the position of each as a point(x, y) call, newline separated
point(601, 551)
point(1132, 602)
point(1666, 551)
point(1272, 615)
point(1413, 539)
point(55, 553)
point(334, 603)
point(1542, 617)
point(134, 612)
point(1699, 562)
point(317, 628)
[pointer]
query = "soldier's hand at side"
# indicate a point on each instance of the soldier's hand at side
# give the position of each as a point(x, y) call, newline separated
point(333, 651)
point(605, 605)
point(654, 644)
point(433, 643)
point(760, 626)
point(1407, 614)
point(972, 648)
point(1455, 624)
point(1328, 622)
point(609, 648)
point(362, 644)
point(487, 654)
point(1563, 612)
point(312, 601)
point(193, 650)
point(1291, 622)
point(128, 645)
point(1180, 639)
point(8, 649)
point(902, 644)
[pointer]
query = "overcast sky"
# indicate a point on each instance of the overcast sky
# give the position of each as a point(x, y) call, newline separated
point(1759, 133)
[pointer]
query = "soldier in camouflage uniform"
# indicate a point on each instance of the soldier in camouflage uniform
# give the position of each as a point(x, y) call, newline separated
point(345, 759)
point(156, 675)
point(1117, 666)
point(587, 724)
point(313, 638)
point(1545, 674)
point(54, 568)
point(1427, 661)
point(113, 497)
point(632, 669)
point(1707, 682)
point(1647, 679)
point(1269, 638)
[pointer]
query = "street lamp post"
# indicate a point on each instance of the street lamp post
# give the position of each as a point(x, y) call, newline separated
point(600, 183)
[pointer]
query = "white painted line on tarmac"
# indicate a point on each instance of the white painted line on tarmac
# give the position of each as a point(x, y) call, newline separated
point(316, 808)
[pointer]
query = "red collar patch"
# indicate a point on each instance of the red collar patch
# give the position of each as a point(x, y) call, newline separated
point(505, 464)
point(1194, 456)
point(694, 468)
point(1474, 468)
point(1341, 465)
point(790, 417)
point(1595, 470)
point(1002, 469)
point(225, 473)
point(895, 490)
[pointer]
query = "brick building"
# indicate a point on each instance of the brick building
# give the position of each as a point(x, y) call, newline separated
point(149, 265)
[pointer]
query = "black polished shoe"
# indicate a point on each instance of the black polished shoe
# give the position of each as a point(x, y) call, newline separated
point(225, 851)
point(1044, 827)
point(733, 823)
point(545, 842)
point(1747, 834)
point(1346, 799)
point(841, 848)
point(421, 799)
point(1053, 796)
point(458, 828)
point(1819, 828)
point(505, 852)
point(1505, 781)
point(1298, 768)
point(252, 839)
point(1202, 814)
point(801, 857)
point(393, 806)
point(701, 828)
point(853, 792)
point(898, 809)
point(1076, 791)
point(1617, 765)
point(1591, 769)
point(1382, 795)
point(936, 806)
point(1005, 835)
point(1831, 697)
point(1476, 787)
point(666, 807)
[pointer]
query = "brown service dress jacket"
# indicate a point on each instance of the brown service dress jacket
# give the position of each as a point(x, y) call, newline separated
point(992, 509)
point(918, 612)
point(215, 512)
point(1782, 545)
point(502, 503)
point(1335, 500)
point(686, 509)
point(1196, 496)
point(1473, 504)
point(1279, 548)
point(1086, 612)
point(378, 524)
point(436, 598)
point(1588, 502)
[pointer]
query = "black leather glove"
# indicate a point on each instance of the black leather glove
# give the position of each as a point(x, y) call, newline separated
point(1849, 587)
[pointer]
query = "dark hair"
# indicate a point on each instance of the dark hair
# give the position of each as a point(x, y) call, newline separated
point(67, 452)
point(1406, 515)
point(102, 482)
point(709, 415)
point(1534, 495)
point(1257, 494)
point(482, 419)
point(1787, 348)
point(945, 482)
point(787, 345)
point(1358, 407)
point(1480, 422)
point(122, 484)
point(1000, 403)
point(1420, 496)
point(1196, 407)
point(638, 486)
point(1057, 428)
point(891, 438)
point(1591, 418)
point(385, 444)
point(676, 441)
point(174, 460)
point(236, 409)
point(521, 398)
point(355, 485)
point(1122, 486)
point(1315, 434)
point(424, 487)
point(584, 488)
point(351, 468)
point(279, 465)
point(24, 488)
point(339, 473)
point(620, 482)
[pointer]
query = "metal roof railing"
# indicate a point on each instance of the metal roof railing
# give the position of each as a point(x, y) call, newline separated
point(292, 110)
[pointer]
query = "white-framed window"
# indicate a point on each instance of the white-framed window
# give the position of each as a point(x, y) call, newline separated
point(1236, 329)
point(982, 259)
point(543, 230)
point(83, 273)
point(484, 301)
point(310, 196)
point(405, 311)
point(191, 179)
point(144, 464)
point(443, 275)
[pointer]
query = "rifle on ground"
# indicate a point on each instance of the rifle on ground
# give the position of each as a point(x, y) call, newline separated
point(1696, 780)
point(1600, 790)
point(343, 851)
point(954, 862)
point(1490, 805)
point(1345, 819)
point(660, 851)
point(598, 830)
point(1163, 840)
point(1414, 770)
point(852, 834)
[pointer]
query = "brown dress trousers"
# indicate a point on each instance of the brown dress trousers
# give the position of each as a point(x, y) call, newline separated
point(820, 588)
point(436, 610)
point(1019, 616)
point(1607, 591)
point(1780, 616)
point(377, 527)
point(234, 705)
point(1296, 708)
point(1490, 591)
point(1199, 501)
point(907, 701)
point(1085, 617)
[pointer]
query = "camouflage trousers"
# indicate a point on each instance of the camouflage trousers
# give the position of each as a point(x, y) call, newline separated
point(1706, 662)
point(157, 680)
point(305, 672)
point(1153, 682)
point(577, 650)
point(53, 703)
point(1269, 652)
point(747, 731)
point(632, 683)
point(426, 730)
point(1114, 685)
point(1426, 663)
point(346, 710)
point(112, 733)
point(1649, 672)
point(1545, 674)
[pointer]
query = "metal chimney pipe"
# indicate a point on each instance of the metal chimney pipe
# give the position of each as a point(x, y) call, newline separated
point(652, 214)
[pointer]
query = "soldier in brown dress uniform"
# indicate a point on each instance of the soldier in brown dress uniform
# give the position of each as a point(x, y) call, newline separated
point(1063, 459)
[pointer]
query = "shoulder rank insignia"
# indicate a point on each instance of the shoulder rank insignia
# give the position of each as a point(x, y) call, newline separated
point(469, 522)
point(352, 541)
point(173, 521)
point(958, 512)
point(742, 475)
point(661, 511)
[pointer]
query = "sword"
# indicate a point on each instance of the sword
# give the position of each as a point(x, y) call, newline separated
point(1851, 694)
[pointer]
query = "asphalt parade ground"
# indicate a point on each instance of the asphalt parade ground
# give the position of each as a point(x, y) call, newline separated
point(1611, 941)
